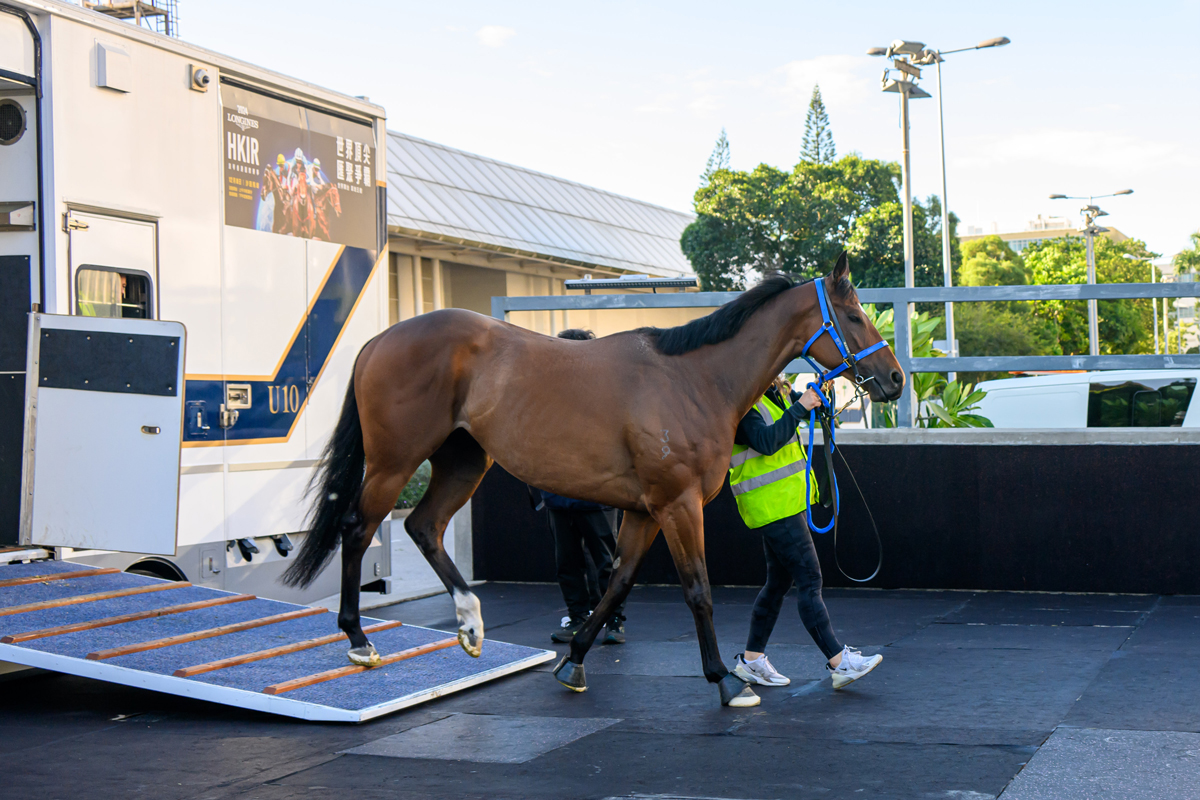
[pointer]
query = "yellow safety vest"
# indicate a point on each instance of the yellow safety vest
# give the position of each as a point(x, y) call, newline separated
point(769, 488)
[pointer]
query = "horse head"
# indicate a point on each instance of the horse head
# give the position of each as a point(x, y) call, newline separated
point(879, 373)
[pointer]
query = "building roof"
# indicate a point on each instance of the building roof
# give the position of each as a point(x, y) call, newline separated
point(442, 193)
point(1019, 240)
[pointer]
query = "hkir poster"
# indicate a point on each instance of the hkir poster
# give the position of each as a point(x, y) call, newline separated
point(293, 171)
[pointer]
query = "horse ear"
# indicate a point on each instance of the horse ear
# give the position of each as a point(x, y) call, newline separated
point(841, 270)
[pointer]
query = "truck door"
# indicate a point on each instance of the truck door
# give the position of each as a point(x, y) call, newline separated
point(104, 413)
point(114, 266)
point(15, 303)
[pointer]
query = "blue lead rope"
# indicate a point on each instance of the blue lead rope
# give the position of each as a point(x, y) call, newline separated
point(812, 426)
point(828, 326)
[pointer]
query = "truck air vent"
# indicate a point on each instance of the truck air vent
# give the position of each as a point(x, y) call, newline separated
point(12, 121)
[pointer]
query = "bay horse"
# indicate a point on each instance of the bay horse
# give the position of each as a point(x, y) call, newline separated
point(326, 197)
point(641, 420)
point(272, 183)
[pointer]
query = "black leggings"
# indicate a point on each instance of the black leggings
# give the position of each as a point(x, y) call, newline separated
point(791, 556)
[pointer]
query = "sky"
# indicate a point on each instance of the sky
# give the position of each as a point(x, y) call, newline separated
point(630, 96)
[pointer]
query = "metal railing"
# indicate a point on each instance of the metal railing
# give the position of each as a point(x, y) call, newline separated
point(503, 306)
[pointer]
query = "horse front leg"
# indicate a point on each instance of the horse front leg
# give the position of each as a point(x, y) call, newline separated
point(683, 527)
point(638, 530)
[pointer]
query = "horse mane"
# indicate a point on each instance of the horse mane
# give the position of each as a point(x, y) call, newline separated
point(720, 325)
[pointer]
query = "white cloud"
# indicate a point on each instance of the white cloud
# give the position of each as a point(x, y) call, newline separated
point(1072, 148)
point(843, 80)
point(494, 35)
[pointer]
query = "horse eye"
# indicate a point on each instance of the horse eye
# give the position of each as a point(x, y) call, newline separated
point(854, 317)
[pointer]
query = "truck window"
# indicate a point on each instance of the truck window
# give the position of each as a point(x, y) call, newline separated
point(1140, 404)
point(104, 292)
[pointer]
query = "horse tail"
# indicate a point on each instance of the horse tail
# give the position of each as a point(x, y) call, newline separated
point(337, 483)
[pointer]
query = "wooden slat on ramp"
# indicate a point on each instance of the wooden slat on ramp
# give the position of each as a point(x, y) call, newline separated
point(209, 633)
point(282, 650)
point(123, 618)
point(321, 677)
point(57, 576)
point(91, 598)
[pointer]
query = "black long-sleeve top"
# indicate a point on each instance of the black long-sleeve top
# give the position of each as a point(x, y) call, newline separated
point(763, 435)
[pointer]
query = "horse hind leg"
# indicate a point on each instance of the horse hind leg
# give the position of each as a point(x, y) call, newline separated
point(378, 496)
point(458, 467)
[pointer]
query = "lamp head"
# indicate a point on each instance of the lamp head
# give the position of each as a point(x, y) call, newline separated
point(1058, 197)
point(999, 41)
point(1123, 191)
point(877, 51)
point(901, 47)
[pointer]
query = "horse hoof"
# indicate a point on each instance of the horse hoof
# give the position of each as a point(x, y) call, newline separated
point(470, 622)
point(736, 693)
point(470, 643)
point(571, 675)
point(366, 656)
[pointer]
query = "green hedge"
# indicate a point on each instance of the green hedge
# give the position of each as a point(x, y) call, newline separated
point(416, 488)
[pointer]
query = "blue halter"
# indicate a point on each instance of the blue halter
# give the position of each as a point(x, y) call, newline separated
point(829, 325)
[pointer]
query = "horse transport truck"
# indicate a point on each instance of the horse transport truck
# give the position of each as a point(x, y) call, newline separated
point(190, 252)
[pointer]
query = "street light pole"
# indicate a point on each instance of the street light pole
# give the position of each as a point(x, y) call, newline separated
point(1154, 302)
point(1089, 234)
point(906, 179)
point(906, 56)
point(902, 54)
point(947, 276)
point(1090, 212)
point(935, 56)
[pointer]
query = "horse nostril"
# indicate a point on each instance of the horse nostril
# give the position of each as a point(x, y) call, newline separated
point(897, 377)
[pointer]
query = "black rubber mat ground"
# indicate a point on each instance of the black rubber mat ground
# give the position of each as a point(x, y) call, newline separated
point(973, 687)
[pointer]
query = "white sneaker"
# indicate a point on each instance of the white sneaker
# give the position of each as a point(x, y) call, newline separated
point(852, 667)
point(565, 622)
point(759, 671)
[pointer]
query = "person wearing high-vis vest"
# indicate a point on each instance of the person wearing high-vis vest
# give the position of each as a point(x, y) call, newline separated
point(766, 473)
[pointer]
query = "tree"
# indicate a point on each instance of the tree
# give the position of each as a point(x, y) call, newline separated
point(770, 220)
point(991, 262)
point(1005, 328)
point(818, 136)
point(876, 244)
point(1126, 326)
point(1188, 260)
point(798, 223)
point(717, 160)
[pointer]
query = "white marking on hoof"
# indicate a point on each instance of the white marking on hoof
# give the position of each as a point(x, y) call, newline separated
point(470, 622)
point(364, 656)
point(746, 699)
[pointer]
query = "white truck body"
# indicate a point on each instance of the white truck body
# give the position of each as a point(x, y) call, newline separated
point(161, 195)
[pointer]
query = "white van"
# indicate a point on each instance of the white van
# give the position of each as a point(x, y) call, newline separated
point(1112, 399)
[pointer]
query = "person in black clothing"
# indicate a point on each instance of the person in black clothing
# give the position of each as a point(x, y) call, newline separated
point(583, 532)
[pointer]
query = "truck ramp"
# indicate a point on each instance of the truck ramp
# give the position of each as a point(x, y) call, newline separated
point(228, 648)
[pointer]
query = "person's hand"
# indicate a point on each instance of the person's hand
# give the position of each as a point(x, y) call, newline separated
point(810, 399)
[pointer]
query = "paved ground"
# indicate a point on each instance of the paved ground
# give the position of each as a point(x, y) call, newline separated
point(979, 695)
